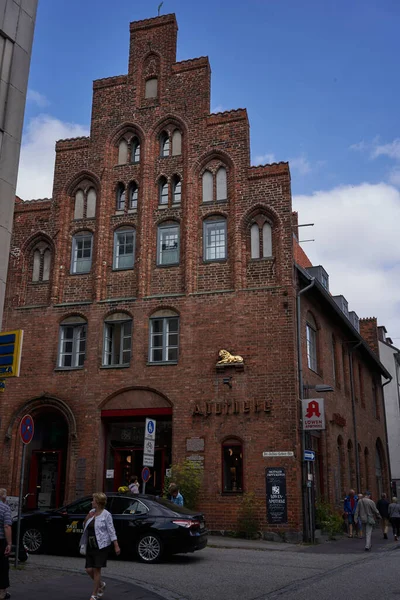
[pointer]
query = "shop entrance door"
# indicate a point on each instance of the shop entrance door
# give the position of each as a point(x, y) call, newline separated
point(44, 480)
point(129, 461)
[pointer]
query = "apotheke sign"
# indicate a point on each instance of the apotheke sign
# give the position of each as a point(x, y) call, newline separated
point(313, 414)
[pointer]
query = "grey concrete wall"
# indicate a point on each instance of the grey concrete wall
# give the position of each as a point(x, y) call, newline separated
point(17, 23)
point(391, 393)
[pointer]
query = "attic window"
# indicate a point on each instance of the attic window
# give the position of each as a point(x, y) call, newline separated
point(151, 88)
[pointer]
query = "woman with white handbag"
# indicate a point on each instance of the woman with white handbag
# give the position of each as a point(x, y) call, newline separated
point(98, 535)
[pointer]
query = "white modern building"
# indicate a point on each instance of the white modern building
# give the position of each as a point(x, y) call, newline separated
point(17, 23)
point(390, 358)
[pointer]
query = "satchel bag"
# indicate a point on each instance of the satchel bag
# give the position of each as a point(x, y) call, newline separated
point(370, 520)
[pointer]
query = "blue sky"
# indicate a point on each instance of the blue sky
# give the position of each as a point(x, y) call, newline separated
point(321, 84)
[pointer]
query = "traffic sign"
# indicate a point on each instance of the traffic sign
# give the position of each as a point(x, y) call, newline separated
point(146, 474)
point(27, 429)
point(148, 460)
point(309, 455)
point(150, 432)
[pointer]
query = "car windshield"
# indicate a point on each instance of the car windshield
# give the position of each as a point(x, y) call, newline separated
point(171, 506)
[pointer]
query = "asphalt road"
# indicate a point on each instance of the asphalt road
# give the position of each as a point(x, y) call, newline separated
point(229, 574)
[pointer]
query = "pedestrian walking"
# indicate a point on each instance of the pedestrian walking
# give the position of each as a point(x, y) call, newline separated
point(174, 495)
point(383, 506)
point(97, 538)
point(5, 544)
point(394, 516)
point(359, 522)
point(349, 508)
point(134, 485)
point(367, 512)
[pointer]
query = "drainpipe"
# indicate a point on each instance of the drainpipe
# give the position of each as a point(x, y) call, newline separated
point(307, 534)
point(353, 407)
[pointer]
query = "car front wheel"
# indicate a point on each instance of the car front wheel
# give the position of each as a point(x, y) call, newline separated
point(149, 548)
point(32, 539)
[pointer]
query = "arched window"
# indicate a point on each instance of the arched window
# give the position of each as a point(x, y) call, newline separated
point(208, 184)
point(133, 196)
point(124, 248)
point(222, 190)
point(232, 466)
point(311, 337)
point(151, 90)
point(82, 249)
point(168, 244)
point(85, 203)
point(135, 150)
point(72, 343)
point(37, 259)
point(121, 196)
point(41, 263)
point(91, 204)
point(164, 337)
point(123, 152)
point(79, 204)
point(255, 241)
point(176, 143)
point(214, 239)
point(164, 144)
point(117, 340)
point(163, 191)
point(267, 240)
point(46, 264)
point(176, 190)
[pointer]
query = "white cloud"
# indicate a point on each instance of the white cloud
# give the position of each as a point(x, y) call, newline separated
point(357, 242)
point(392, 150)
point(394, 176)
point(37, 98)
point(218, 108)
point(36, 167)
point(300, 164)
point(264, 159)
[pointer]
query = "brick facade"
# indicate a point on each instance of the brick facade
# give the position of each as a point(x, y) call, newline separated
point(246, 305)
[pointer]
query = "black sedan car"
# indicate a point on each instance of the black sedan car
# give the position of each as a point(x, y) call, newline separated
point(147, 527)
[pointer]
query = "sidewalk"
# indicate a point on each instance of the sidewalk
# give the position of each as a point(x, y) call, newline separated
point(342, 545)
point(64, 586)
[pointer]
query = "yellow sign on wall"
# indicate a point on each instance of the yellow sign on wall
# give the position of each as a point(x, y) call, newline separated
point(10, 353)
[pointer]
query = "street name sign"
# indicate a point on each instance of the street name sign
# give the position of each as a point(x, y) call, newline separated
point(278, 453)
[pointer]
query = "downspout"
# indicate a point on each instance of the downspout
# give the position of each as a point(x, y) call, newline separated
point(306, 533)
point(353, 407)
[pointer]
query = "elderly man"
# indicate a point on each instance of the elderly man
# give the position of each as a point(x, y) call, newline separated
point(5, 543)
point(367, 512)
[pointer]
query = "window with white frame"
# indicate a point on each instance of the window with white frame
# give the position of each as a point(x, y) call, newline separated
point(311, 340)
point(117, 340)
point(168, 244)
point(72, 343)
point(164, 338)
point(82, 250)
point(135, 150)
point(214, 239)
point(120, 197)
point(176, 189)
point(133, 196)
point(164, 144)
point(124, 248)
point(163, 191)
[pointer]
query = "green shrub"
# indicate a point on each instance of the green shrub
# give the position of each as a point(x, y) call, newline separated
point(328, 519)
point(247, 524)
point(188, 476)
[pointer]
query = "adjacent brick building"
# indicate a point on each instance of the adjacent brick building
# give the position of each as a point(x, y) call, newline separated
point(161, 246)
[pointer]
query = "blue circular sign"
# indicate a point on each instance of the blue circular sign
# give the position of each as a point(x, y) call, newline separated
point(27, 429)
point(150, 426)
point(145, 474)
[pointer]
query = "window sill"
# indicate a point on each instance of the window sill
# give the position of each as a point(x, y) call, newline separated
point(209, 202)
point(162, 206)
point(83, 273)
point(116, 269)
point(167, 266)
point(69, 368)
point(262, 259)
point(162, 363)
point(132, 211)
point(119, 213)
point(216, 260)
point(115, 366)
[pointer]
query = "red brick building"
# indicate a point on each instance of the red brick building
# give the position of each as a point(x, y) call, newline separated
point(161, 246)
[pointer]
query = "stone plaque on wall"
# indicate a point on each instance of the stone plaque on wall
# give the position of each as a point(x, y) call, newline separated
point(196, 459)
point(195, 445)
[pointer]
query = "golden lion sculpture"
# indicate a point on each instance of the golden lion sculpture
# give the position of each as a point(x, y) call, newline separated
point(226, 358)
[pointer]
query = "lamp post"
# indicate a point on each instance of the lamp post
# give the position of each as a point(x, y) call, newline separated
point(307, 474)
